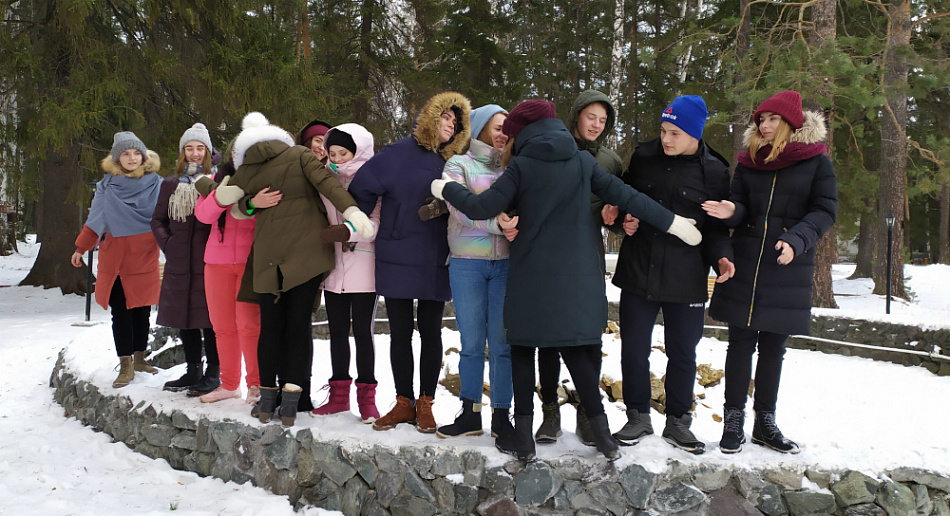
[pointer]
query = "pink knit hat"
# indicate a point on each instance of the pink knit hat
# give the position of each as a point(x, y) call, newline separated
point(787, 104)
point(526, 113)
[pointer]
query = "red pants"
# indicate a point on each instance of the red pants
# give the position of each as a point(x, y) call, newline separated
point(237, 325)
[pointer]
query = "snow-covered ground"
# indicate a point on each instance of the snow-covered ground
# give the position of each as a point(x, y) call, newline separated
point(846, 412)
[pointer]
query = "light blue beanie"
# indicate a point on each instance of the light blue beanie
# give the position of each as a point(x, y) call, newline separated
point(481, 116)
point(688, 113)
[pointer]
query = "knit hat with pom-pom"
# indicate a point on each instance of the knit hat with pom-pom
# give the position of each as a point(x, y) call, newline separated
point(256, 129)
point(526, 113)
point(787, 104)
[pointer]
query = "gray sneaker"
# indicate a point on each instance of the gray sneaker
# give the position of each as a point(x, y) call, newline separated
point(678, 434)
point(638, 426)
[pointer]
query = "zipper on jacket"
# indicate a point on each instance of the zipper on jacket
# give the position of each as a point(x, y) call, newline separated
point(758, 263)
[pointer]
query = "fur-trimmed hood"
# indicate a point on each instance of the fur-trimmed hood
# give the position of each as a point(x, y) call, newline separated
point(151, 165)
point(813, 130)
point(255, 128)
point(426, 131)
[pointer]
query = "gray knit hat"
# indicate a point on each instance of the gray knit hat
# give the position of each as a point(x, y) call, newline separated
point(125, 140)
point(197, 132)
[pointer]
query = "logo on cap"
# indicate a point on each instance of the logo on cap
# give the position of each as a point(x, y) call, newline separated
point(669, 113)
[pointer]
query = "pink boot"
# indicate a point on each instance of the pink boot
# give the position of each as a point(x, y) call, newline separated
point(366, 398)
point(339, 398)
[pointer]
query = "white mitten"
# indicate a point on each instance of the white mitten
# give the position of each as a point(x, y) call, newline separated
point(238, 214)
point(439, 184)
point(360, 221)
point(227, 194)
point(685, 230)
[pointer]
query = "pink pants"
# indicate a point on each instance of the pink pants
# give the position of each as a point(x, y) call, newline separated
point(237, 325)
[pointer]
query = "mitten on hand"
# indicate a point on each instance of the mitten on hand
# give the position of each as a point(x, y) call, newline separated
point(439, 184)
point(238, 214)
point(228, 194)
point(335, 233)
point(360, 221)
point(193, 169)
point(685, 230)
point(432, 209)
point(205, 186)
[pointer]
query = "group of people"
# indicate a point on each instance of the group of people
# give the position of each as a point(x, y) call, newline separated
point(500, 212)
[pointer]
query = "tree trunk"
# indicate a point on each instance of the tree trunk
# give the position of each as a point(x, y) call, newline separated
point(894, 150)
point(304, 46)
point(943, 252)
point(741, 119)
point(826, 251)
point(361, 103)
point(58, 224)
point(866, 235)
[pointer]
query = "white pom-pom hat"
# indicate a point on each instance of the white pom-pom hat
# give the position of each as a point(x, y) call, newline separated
point(255, 128)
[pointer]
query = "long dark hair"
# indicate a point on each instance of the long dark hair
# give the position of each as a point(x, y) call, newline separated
point(226, 168)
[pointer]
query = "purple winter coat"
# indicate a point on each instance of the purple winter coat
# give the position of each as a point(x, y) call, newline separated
point(182, 303)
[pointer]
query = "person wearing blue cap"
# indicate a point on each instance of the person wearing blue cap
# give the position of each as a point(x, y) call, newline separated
point(478, 273)
point(656, 272)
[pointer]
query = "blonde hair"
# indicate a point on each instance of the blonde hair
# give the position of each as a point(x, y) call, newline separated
point(507, 152)
point(181, 162)
point(782, 135)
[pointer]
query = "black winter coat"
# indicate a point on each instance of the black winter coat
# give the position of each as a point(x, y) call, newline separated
point(182, 303)
point(556, 294)
point(796, 204)
point(654, 264)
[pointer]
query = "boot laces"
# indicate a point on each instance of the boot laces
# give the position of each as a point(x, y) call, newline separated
point(732, 421)
point(768, 421)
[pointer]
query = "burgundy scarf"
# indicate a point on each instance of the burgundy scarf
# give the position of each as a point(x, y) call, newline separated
point(793, 153)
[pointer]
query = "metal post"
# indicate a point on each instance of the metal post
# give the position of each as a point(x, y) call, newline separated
point(89, 277)
point(889, 220)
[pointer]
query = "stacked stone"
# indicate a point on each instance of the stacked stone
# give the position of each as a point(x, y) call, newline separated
point(378, 481)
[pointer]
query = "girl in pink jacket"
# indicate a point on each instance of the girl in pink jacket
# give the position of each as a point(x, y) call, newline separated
point(237, 324)
point(351, 286)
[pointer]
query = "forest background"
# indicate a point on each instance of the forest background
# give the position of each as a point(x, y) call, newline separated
point(73, 72)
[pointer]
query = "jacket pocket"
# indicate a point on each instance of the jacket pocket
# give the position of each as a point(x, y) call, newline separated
point(693, 194)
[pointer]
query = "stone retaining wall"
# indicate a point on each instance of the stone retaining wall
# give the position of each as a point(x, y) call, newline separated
point(423, 481)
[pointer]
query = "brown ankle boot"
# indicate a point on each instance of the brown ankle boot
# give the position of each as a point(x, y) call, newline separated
point(425, 421)
point(140, 364)
point(126, 372)
point(403, 412)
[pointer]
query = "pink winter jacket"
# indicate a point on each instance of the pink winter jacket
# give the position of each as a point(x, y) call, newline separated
point(238, 233)
point(355, 269)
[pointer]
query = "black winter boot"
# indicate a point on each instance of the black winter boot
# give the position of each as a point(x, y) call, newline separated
point(289, 399)
point(209, 382)
point(766, 433)
point(678, 434)
point(263, 410)
point(468, 422)
point(518, 443)
point(600, 432)
point(192, 376)
point(583, 430)
point(550, 428)
point(637, 427)
point(733, 434)
point(501, 422)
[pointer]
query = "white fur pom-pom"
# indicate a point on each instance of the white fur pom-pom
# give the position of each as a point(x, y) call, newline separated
point(254, 119)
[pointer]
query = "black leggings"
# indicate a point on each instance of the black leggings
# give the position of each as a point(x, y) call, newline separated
point(549, 373)
point(583, 362)
point(191, 340)
point(286, 342)
point(362, 306)
point(429, 322)
point(768, 370)
point(129, 325)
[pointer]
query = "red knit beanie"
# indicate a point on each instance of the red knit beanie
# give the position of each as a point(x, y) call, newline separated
point(787, 104)
point(528, 112)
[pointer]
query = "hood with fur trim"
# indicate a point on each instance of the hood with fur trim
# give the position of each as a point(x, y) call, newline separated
point(813, 130)
point(151, 165)
point(426, 131)
point(255, 128)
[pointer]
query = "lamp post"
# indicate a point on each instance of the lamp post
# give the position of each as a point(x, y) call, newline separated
point(889, 220)
point(89, 278)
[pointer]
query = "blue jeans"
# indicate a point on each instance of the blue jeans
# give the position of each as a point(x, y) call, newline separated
point(478, 293)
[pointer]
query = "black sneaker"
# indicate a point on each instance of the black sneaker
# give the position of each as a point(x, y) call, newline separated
point(637, 427)
point(678, 434)
point(766, 433)
point(733, 435)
